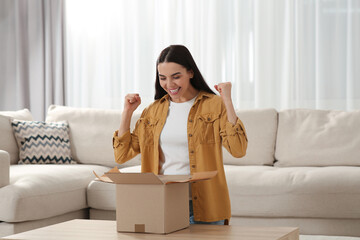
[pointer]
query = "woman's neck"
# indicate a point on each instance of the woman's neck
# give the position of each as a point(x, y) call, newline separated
point(190, 94)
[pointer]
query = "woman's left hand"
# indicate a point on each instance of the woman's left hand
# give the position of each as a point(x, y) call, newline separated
point(225, 92)
point(224, 89)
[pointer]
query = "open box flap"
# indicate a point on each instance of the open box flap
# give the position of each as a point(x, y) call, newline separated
point(103, 178)
point(133, 178)
point(199, 176)
point(115, 176)
point(203, 176)
point(166, 179)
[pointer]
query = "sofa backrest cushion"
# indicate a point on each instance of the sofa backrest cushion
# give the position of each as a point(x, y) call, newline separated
point(91, 132)
point(7, 137)
point(261, 128)
point(318, 138)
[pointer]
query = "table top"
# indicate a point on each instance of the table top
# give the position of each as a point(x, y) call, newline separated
point(81, 229)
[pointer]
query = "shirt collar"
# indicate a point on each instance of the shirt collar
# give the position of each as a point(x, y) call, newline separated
point(201, 95)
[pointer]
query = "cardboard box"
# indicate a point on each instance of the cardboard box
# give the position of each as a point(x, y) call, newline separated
point(150, 203)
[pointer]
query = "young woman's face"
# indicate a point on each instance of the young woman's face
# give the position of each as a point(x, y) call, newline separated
point(175, 80)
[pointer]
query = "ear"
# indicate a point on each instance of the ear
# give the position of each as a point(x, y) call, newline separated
point(191, 72)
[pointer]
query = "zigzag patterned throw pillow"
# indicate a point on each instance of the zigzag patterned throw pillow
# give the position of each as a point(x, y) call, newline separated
point(42, 142)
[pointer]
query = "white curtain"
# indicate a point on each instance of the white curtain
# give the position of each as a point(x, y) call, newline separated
point(31, 55)
point(277, 53)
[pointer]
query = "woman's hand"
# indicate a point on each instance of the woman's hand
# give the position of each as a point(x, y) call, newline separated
point(132, 101)
point(225, 90)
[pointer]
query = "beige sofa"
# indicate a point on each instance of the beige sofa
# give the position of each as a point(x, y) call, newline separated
point(301, 169)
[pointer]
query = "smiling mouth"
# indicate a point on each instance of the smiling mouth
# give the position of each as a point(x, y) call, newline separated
point(174, 91)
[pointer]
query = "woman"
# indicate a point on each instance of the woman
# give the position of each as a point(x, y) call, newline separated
point(183, 132)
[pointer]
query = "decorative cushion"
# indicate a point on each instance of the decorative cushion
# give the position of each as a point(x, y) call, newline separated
point(43, 142)
point(7, 138)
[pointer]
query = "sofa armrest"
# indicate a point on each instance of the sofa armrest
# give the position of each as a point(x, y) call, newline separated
point(4, 168)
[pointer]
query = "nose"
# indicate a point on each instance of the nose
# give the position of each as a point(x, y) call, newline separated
point(170, 84)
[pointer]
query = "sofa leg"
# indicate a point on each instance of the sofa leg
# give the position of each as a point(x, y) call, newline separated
point(226, 222)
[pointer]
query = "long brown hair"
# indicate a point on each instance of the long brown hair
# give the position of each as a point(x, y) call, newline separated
point(181, 55)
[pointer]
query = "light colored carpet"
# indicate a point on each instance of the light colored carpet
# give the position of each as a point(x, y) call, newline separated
point(318, 237)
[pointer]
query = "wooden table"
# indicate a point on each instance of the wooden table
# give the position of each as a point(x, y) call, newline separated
point(101, 229)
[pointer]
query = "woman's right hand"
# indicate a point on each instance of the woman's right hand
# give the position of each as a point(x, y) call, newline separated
point(132, 101)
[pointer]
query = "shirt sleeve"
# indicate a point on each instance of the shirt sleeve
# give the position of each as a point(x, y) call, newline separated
point(234, 137)
point(127, 145)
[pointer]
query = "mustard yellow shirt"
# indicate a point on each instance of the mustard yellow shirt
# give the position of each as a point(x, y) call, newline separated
point(208, 130)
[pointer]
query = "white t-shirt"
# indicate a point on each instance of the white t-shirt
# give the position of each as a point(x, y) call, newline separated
point(174, 141)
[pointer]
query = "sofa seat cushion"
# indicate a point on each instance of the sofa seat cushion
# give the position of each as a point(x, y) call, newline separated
point(315, 192)
point(102, 195)
point(43, 191)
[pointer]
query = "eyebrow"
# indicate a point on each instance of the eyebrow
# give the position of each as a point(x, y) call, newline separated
point(171, 74)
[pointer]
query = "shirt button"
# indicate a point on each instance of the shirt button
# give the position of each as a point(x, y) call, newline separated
point(190, 135)
point(195, 198)
point(190, 120)
point(193, 166)
point(209, 119)
point(192, 151)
